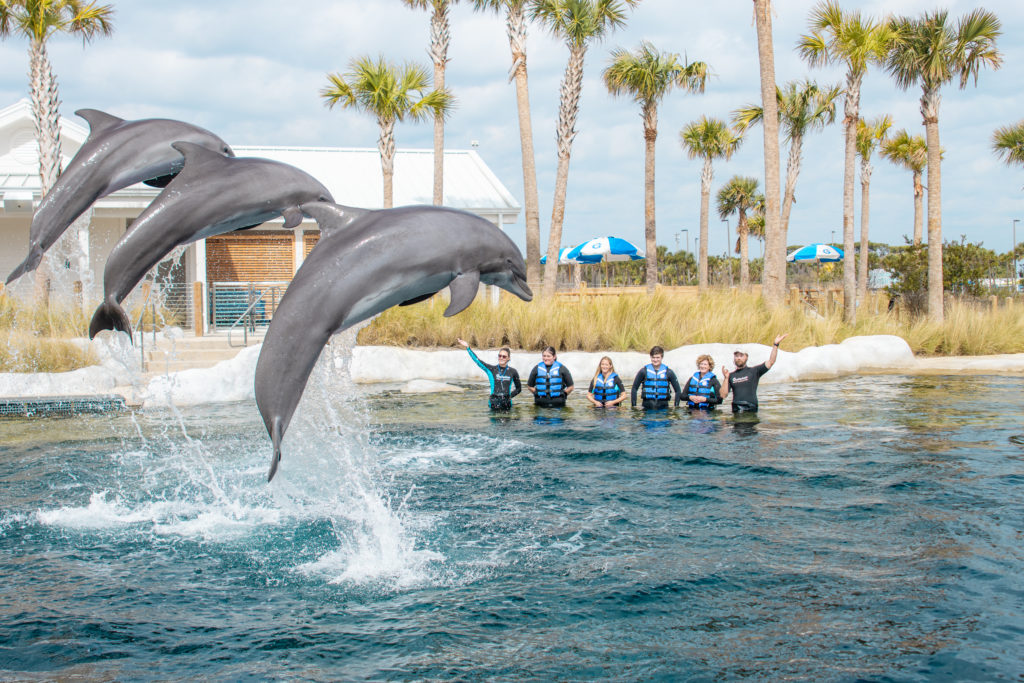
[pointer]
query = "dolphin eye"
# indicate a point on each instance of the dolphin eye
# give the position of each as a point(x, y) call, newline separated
point(323, 198)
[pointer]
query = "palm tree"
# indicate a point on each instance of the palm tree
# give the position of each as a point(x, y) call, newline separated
point(648, 74)
point(440, 37)
point(856, 42)
point(870, 134)
point(931, 52)
point(391, 93)
point(577, 22)
point(708, 139)
point(910, 152)
point(739, 196)
point(773, 282)
point(1008, 143)
point(38, 21)
point(802, 107)
point(515, 25)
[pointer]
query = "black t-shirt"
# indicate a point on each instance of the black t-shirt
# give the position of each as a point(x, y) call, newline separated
point(743, 385)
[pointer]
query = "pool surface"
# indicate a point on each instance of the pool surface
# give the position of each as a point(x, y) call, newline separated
point(868, 528)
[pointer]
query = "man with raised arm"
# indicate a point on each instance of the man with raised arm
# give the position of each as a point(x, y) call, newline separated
point(742, 381)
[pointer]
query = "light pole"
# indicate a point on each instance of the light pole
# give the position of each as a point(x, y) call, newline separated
point(1014, 252)
point(687, 238)
point(833, 242)
point(728, 239)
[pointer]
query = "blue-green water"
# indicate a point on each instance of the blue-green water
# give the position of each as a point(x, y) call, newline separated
point(868, 528)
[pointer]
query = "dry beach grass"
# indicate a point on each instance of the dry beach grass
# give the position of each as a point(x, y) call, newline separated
point(34, 339)
point(635, 323)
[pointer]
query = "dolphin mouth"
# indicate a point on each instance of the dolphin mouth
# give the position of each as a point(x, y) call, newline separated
point(524, 292)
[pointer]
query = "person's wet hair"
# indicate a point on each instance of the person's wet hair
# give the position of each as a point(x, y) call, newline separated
point(657, 351)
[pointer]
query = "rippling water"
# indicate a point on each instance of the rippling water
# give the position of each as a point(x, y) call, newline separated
point(868, 528)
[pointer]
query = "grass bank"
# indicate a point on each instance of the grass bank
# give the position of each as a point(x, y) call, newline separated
point(636, 323)
point(33, 339)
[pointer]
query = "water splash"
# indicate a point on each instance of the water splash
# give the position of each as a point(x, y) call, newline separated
point(177, 475)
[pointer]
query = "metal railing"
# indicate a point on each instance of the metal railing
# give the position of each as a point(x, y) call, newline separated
point(155, 305)
point(249, 305)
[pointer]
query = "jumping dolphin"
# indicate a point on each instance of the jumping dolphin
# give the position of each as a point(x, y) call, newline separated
point(116, 154)
point(212, 195)
point(360, 268)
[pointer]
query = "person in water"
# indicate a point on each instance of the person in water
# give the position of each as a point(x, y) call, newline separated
point(658, 383)
point(742, 381)
point(703, 391)
point(606, 389)
point(505, 384)
point(550, 381)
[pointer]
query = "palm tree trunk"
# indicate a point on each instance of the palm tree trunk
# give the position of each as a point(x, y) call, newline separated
point(774, 278)
point(865, 203)
point(852, 114)
point(46, 112)
point(386, 146)
point(516, 24)
point(792, 171)
point(741, 228)
point(650, 116)
point(440, 37)
point(572, 85)
point(918, 209)
point(930, 111)
point(705, 198)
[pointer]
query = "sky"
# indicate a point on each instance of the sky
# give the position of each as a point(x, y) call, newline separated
point(252, 70)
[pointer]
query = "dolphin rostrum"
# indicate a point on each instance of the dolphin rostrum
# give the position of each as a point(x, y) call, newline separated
point(212, 195)
point(360, 268)
point(116, 154)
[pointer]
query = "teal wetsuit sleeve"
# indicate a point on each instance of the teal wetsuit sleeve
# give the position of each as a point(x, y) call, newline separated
point(483, 366)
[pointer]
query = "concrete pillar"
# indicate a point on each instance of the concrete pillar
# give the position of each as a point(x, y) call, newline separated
point(201, 279)
point(298, 246)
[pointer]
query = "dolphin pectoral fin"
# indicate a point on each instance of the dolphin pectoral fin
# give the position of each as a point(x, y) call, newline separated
point(463, 289)
point(417, 299)
point(275, 435)
point(98, 120)
point(110, 316)
point(292, 217)
point(161, 181)
point(30, 263)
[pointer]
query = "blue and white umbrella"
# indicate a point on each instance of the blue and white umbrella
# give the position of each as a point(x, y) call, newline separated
point(605, 249)
point(821, 253)
point(562, 256)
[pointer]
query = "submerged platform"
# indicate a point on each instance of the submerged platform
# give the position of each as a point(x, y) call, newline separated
point(46, 406)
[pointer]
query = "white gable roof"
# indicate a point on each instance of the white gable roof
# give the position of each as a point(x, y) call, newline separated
point(352, 175)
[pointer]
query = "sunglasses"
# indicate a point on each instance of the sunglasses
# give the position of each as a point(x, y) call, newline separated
point(502, 355)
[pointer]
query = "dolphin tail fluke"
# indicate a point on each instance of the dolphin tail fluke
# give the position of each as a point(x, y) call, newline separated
point(30, 263)
point(109, 316)
point(276, 434)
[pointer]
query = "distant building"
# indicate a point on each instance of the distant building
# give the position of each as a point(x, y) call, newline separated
point(239, 261)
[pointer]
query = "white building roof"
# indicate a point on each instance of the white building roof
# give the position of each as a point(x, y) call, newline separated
point(352, 175)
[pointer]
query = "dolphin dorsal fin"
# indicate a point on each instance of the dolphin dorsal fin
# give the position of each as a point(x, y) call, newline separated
point(98, 121)
point(197, 154)
point(331, 217)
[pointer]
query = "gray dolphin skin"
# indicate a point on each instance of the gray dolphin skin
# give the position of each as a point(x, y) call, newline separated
point(358, 269)
point(212, 195)
point(116, 154)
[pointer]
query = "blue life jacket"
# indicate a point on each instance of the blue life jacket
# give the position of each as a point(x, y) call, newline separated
point(700, 386)
point(656, 383)
point(549, 381)
point(605, 388)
